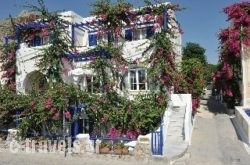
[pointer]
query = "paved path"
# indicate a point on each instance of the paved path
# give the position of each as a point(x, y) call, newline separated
point(22, 158)
point(214, 140)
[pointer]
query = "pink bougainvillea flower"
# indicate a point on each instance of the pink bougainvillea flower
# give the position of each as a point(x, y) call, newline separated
point(56, 116)
point(52, 110)
point(44, 32)
point(124, 68)
point(65, 71)
point(12, 86)
point(31, 37)
point(107, 86)
point(48, 103)
point(11, 55)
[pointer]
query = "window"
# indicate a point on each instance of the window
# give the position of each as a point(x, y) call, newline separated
point(45, 40)
point(137, 79)
point(128, 35)
point(139, 34)
point(37, 41)
point(136, 34)
point(79, 38)
point(93, 86)
point(92, 39)
point(150, 32)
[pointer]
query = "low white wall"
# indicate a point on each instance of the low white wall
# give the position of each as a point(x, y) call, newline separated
point(165, 123)
point(243, 123)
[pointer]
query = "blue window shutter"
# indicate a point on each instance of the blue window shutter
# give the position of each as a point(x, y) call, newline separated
point(128, 35)
point(150, 31)
point(165, 19)
point(92, 39)
point(37, 41)
point(110, 37)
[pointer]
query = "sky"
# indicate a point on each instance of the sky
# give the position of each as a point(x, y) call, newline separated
point(201, 20)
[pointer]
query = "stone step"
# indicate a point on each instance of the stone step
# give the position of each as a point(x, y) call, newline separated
point(179, 121)
point(175, 129)
point(175, 133)
point(177, 117)
point(174, 139)
point(178, 111)
point(175, 125)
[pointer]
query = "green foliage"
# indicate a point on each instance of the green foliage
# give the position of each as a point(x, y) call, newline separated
point(51, 63)
point(193, 72)
point(105, 144)
point(39, 109)
point(209, 72)
point(194, 50)
point(112, 110)
point(43, 109)
point(120, 145)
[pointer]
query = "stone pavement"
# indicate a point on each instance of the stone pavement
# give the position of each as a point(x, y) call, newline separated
point(214, 139)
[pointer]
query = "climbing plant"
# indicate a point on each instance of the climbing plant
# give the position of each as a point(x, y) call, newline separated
point(109, 108)
point(231, 41)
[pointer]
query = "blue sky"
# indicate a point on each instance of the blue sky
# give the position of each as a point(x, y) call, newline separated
point(201, 20)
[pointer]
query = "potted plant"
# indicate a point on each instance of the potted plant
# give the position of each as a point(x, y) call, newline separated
point(120, 148)
point(104, 147)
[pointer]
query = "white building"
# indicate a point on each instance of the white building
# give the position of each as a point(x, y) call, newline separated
point(83, 36)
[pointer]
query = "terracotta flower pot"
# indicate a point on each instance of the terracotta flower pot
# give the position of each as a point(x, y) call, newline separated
point(118, 151)
point(121, 151)
point(104, 150)
point(125, 151)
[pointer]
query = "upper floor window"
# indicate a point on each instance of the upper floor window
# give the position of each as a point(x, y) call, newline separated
point(92, 39)
point(138, 34)
point(38, 41)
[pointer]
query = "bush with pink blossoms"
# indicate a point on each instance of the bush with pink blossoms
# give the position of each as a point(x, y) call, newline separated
point(231, 40)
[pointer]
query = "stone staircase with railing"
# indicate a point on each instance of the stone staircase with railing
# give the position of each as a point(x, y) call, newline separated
point(175, 140)
point(179, 128)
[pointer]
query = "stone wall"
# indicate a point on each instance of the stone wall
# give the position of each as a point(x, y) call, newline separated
point(246, 75)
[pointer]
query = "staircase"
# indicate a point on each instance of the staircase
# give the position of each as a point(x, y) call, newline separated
point(176, 145)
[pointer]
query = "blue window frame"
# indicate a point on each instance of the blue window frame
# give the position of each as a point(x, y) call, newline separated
point(150, 32)
point(92, 39)
point(128, 35)
point(110, 37)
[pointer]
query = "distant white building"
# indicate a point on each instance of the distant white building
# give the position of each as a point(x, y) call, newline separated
point(83, 36)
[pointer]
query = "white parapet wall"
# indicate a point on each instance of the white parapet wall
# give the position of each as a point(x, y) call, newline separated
point(185, 100)
point(242, 121)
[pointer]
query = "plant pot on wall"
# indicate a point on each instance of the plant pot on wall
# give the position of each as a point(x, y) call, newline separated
point(120, 148)
point(104, 150)
point(104, 147)
point(121, 151)
point(125, 151)
point(118, 151)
